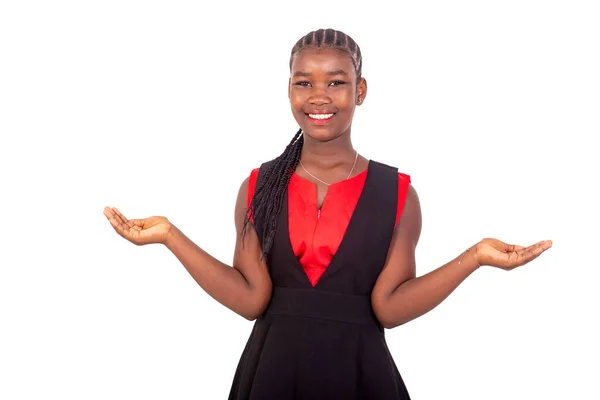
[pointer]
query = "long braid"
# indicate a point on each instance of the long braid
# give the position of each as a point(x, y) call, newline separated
point(267, 200)
point(268, 195)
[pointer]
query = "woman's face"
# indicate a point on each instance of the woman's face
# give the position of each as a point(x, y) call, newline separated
point(323, 92)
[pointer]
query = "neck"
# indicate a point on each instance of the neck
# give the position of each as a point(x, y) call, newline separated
point(328, 154)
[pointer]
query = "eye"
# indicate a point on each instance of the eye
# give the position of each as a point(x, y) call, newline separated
point(337, 83)
point(303, 83)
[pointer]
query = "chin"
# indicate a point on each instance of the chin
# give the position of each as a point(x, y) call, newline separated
point(321, 134)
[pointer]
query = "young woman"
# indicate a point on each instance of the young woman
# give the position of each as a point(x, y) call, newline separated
point(325, 253)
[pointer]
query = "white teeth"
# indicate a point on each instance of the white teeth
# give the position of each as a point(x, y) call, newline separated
point(320, 116)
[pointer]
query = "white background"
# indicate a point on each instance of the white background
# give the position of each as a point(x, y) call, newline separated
point(163, 108)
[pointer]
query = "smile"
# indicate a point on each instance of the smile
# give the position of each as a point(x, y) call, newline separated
point(320, 116)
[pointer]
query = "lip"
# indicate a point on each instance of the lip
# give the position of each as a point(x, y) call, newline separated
point(320, 121)
point(320, 112)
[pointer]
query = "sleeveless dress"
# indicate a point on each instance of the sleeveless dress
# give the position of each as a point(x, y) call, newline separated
point(319, 338)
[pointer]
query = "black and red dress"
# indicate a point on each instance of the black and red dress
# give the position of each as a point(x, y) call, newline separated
point(319, 338)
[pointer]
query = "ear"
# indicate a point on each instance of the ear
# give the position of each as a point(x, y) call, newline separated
point(361, 91)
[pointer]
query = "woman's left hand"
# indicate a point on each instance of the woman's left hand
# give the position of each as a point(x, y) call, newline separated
point(496, 253)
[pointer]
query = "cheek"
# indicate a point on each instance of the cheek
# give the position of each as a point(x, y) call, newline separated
point(345, 99)
point(346, 96)
point(296, 99)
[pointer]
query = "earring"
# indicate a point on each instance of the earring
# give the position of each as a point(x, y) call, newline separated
point(360, 100)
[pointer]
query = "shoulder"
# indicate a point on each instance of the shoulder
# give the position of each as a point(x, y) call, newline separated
point(404, 179)
point(409, 207)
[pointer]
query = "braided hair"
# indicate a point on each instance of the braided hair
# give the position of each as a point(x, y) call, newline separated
point(268, 195)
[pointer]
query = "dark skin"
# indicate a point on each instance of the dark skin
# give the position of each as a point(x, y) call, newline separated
point(325, 81)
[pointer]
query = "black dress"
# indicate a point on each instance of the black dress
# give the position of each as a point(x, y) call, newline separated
point(324, 342)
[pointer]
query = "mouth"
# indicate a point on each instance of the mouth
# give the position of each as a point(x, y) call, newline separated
point(320, 118)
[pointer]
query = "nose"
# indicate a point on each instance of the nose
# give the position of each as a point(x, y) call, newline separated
point(319, 97)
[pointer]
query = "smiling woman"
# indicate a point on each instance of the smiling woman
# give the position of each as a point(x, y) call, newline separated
point(324, 89)
point(324, 259)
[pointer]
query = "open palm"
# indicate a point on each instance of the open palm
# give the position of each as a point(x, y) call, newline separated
point(139, 231)
point(496, 253)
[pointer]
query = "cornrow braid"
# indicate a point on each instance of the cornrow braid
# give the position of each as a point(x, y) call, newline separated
point(267, 200)
point(330, 38)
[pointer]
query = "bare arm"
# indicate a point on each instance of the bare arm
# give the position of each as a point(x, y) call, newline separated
point(244, 288)
point(399, 296)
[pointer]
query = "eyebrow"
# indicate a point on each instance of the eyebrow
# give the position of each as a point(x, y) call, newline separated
point(330, 73)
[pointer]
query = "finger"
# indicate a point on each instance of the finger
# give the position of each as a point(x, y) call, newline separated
point(136, 224)
point(120, 214)
point(544, 244)
point(523, 255)
point(110, 212)
point(532, 252)
point(511, 248)
point(123, 219)
point(118, 226)
point(116, 223)
point(497, 243)
point(112, 217)
point(503, 247)
point(126, 232)
point(122, 228)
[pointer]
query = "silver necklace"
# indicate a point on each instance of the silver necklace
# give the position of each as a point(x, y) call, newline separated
point(325, 183)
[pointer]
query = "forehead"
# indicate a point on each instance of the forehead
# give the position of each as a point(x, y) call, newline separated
point(322, 60)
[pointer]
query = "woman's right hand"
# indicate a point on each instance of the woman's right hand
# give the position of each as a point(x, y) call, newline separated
point(139, 231)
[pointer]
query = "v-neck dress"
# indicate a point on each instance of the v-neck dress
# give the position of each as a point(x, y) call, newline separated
point(319, 338)
point(315, 234)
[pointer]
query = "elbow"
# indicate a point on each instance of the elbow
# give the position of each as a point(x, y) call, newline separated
point(385, 315)
point(387, 323)
point(390, 324)
point(384, 318)
point(256, 307)
point(250, 317)
point(252, 313)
